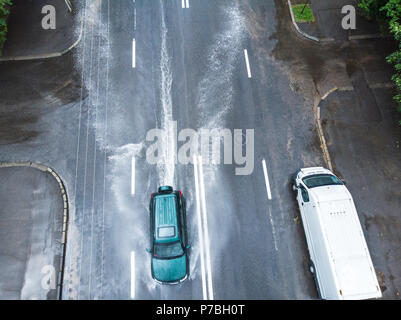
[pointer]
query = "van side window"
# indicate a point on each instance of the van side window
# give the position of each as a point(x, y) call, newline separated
point(305, 195)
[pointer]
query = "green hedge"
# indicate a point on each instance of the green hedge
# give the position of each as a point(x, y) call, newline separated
point(4, 12)
point(388, 14)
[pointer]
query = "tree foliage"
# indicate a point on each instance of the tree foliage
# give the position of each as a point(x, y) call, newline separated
point(388, 13)
point(4, 12)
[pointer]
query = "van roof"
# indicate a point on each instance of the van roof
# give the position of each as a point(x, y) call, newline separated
point(330, 193)
point(349, 253)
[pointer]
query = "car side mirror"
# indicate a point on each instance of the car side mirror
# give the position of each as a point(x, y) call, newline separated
point(188, 246)
point(148, 250)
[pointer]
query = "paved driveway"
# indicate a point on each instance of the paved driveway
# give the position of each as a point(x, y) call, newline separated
point(31, 217)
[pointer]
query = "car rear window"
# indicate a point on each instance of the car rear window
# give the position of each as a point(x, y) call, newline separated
point(166, 232)
point(169, 251)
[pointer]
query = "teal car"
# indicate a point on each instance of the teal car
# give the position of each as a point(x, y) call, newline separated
point(168, 236)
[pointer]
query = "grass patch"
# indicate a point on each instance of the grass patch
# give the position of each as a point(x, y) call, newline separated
point(303, 13)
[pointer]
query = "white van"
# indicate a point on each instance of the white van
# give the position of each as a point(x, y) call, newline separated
point(339, 257)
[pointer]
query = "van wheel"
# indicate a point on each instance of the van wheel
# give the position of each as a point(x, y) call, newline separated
point(312, 270)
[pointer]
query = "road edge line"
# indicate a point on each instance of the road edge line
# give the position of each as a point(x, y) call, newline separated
point(200, 230)
point(206, 229)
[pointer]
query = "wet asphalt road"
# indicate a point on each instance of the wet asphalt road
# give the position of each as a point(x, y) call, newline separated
point(95, 113)
point(190, 68)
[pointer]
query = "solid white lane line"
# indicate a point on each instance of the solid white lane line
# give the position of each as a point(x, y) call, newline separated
point(133, 53)
point(248, 67)
point(269, 193)
point(133, 176)
point(183, 4)
point(187, 1)
point(132, 275)
point(207, 243)
point(198, 213)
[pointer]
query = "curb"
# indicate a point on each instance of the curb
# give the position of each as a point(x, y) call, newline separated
point(323, 142)
point(65, 212)
point(305, 35)
point(368, 36)
point(316, 109)
point(49, 55)
point(374, 86)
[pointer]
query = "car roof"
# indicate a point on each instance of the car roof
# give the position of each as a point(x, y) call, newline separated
point(165, 208)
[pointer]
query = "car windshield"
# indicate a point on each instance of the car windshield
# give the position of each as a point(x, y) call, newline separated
point(168, 251)
point(320, 180)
